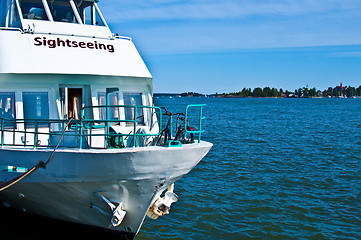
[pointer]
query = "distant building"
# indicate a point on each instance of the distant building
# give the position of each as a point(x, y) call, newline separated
point(341, 87)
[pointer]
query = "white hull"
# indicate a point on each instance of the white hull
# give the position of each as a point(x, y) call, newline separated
point(65, 189)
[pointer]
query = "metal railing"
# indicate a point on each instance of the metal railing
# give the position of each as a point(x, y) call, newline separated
point(182, 127)
point(197, 128)
point(11, 29)
point(102, 133)
point(109, 122)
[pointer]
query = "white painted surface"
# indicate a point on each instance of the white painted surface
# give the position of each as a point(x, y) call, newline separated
point(22, 53)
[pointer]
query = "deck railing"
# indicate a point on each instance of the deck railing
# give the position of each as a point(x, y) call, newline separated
point(90, 133)
point(138, 130)
point(196, 109)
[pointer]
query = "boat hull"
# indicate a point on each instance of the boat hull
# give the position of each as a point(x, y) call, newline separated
point(66, 189)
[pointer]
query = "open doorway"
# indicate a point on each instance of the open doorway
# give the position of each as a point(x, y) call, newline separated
point(71, 101)
point(75, 102)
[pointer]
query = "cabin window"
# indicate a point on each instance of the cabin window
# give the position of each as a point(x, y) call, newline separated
point(3, 12)
point(33, 9)
point(113, 100)
point(134, 99)
point(9, 15)
point(14, 16)
point(7, 105)
point(90, 15)
point(36, 105)
point(62, 11)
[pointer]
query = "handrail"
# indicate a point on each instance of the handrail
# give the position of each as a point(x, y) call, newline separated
point(197, 130)
point(85, 133)
point(81, 129)
point(11, 29)
point(134, 121)
point(135, 134)
point(122, 37)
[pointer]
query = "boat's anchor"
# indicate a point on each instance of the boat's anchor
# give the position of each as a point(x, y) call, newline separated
point(118, 212)
point(162, 205)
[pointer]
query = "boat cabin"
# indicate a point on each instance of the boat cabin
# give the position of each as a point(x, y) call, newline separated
point(45, 16)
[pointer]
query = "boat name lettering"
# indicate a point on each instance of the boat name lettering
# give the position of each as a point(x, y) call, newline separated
point(53, 43)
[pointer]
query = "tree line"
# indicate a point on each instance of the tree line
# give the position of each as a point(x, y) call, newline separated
point(306, 92)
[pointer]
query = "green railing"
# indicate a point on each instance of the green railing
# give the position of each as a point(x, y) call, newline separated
point(25, 130)
point(102, 133)
point(109, 134)
point(183, 127)
point(197, 128)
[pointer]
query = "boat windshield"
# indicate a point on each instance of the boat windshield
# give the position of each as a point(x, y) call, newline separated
point(9, 16)
point(62, 11)
point(33, 9)
point(66, 11)
point(91, 14)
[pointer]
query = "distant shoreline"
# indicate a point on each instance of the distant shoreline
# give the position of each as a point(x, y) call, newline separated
point(176, 95)
point(267, 92)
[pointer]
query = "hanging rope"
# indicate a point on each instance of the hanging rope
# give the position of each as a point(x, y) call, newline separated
point(41, 164)
point(57, 145)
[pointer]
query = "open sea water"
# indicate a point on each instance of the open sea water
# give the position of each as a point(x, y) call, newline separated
point(279, 169)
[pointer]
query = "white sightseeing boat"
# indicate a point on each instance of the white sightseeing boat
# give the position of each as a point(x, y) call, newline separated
point(80, 138)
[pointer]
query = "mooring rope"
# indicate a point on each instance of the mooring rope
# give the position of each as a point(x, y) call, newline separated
point(41, 164)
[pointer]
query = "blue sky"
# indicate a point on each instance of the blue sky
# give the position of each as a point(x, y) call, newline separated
point(219, 46)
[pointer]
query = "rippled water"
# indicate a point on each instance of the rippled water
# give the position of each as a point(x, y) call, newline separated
point(279, 169)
